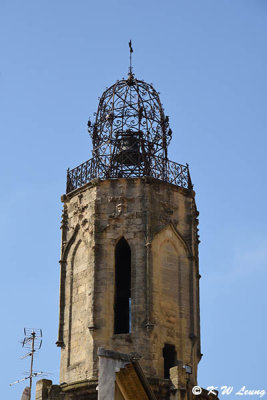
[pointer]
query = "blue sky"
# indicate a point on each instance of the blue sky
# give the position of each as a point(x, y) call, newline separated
point(208, 60)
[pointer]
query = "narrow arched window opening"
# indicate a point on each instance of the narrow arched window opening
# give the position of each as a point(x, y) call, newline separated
point(170, 359)
point(122, 306)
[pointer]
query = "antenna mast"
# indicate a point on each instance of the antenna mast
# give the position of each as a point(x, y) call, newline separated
point(32, 341)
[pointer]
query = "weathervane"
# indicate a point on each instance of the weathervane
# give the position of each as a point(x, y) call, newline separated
point(131, 51)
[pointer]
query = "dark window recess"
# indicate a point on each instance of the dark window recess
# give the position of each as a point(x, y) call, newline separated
point(122, 306)
point(170, 359)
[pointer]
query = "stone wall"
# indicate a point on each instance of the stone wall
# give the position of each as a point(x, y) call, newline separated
point(159, 222)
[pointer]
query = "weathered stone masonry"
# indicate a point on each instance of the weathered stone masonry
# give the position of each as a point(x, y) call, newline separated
point(159, 221)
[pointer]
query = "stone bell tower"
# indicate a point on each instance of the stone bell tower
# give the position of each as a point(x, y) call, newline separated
point(129, 258)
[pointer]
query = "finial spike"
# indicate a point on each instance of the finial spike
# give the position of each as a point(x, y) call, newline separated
point(131, 51)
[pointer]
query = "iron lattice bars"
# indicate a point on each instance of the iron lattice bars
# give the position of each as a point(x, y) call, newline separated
point(158, 168)
point(130, 137)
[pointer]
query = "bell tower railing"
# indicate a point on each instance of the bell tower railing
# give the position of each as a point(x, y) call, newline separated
point(174, 173)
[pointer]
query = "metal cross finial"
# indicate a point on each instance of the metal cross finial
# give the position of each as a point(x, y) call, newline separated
point(131, 51)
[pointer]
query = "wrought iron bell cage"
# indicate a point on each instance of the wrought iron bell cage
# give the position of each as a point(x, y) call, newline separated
point(130, 129)
point(130, 138)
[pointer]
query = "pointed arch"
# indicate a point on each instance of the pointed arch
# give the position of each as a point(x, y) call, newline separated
point(65, 252)
point(178, 235)
point(72, 306)
point(70, 243)
point(122, 301)
point(171, 277)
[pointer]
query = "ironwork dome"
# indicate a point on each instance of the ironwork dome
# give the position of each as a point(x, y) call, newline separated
point(130, 128)
point(130, 138)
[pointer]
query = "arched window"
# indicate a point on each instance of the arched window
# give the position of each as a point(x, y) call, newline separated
point(122, 306)
point(170, 359)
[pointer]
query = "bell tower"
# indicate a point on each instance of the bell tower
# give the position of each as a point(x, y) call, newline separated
point(129, 257)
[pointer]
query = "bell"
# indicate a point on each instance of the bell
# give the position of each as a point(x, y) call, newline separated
point(128, 153)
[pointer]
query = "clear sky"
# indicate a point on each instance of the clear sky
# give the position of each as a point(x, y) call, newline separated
point(208, 60)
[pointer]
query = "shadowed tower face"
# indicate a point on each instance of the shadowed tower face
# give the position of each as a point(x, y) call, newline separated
point(129, 257)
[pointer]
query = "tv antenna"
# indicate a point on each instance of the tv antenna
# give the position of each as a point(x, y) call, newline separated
point(32, 341)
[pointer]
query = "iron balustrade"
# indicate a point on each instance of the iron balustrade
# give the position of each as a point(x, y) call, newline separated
point(159, 168)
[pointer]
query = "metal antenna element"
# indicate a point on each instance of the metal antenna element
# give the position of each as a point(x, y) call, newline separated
point(131, 51)
point(32, 341)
